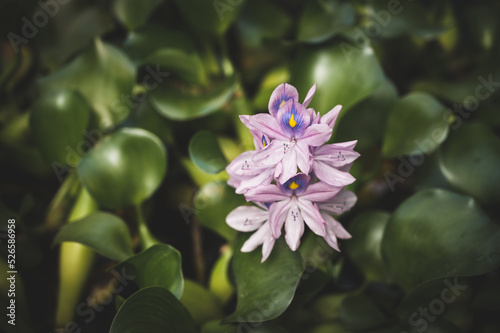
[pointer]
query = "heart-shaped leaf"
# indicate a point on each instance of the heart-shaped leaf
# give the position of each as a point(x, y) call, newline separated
point(469, 160)
point(266, 289)
point(205, 152)
point(125, 168)
point(152, 310)
point(344, 73)
point(103, 74)
point(417, 124)
point(436, 233)
point(159, 265)
point(106, 233)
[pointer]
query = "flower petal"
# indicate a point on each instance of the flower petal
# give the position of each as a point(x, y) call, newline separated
point(294, 227)
point(280, 96)
point(341, 203)
point(272, 154)
point(312, 217)
point(258, 238)
point(247, 183)
point(293, 119)
point(309, 96)
point(277, 216)
point(303, 157)
point(268, 244)
point(266, 193)
point(319, 192)
point(331, 117)
point(335, 155)
point(289, 164)
point(247, 218)
point(316, 135)
point(266, 124)
point(332, 176)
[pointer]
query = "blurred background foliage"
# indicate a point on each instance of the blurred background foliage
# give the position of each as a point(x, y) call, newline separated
point(118, 118)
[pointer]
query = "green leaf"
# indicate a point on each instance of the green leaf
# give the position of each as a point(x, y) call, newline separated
point(159, 265)
point(417, 124)
point(321, 20)
point(186, 66)
point(106, 233)
point(125, 168)
point(213, 202)
point(210, 17)
point(58, 121)
point(469, 161)
point(364, 248)
point(205, 152)
point(219, 283)
point(344, 73)
point(436, 233)
point(366, 120)
point(177, 104)
point(152, 310)
point(134, 14)
point(102, 74)
point(201, 303)
point(359, 312)
point(266, 289)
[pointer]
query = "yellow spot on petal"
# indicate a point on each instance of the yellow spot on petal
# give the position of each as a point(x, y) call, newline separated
point(293, 186)
point(292, 122)
point(264, 143)
point(282, 103)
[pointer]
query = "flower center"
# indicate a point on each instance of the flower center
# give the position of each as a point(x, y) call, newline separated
point(292, 122)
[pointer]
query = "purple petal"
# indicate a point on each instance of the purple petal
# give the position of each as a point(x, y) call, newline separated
point(320, 192)
point(331, 117)
point(312, 217)
point(267, 125)
point(256, 239)
point(335, 155)
point(247, 218)
point(309, 96)
point(277, 216)
point(272, 154)
point(294, 227)
point(341, 203)
point(280, 96)
point(332, 176)
point(295, 185)
point(266, 193)
point(293, 119)
point(316, 135)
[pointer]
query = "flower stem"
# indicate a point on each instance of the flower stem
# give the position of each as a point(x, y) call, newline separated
point(145, 237)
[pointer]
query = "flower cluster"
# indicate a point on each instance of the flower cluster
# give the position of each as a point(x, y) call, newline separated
point(292, 176)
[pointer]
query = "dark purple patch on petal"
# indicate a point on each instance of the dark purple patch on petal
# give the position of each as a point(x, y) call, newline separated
point(296, 185)
point(293, 119)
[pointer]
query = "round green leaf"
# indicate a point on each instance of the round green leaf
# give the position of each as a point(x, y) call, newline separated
point(469, 161)
point(359, 312)
point(159, 265)
point(436, 233)
point(417, 124)
point(266, 289)
point(152, 310)
point(106, 233)
point(205, 152)
point(213, 202)
point(184, 105)
point(132, 13)
point(201, 303)
point(321, 20)
point(103, 74)
point(367, 230)
point(186, 66)
point(344, 73)
point(58, 121)
point(125, 168)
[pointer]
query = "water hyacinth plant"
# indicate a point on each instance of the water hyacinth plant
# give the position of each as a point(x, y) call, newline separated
point(293, 175)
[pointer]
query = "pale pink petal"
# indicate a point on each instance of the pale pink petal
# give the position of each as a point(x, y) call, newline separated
point(311, 216)
point(281, 94)
point(289, 165)
point(316, 135)
point(330, 237)
point(294, 227)
point(247, 218)
point(319, 192)
point(309, 96)
point(303, 157)
point(335, 155)
point(255, 240)
point(331, 175)
point(247, 183)
point(331, 117)
point(265, 193)
point(267, 124)
point(277, 216)
point(341, 203)
point(272, 154)
point(268, 245)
